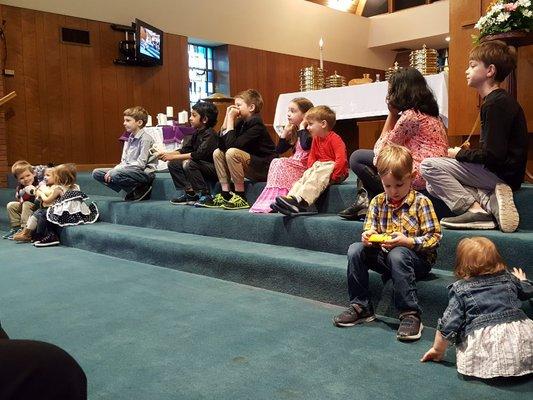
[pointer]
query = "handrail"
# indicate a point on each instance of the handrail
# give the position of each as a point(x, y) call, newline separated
point(7, 98)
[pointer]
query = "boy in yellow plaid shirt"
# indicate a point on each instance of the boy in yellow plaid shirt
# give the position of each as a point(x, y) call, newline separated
point(409, 219)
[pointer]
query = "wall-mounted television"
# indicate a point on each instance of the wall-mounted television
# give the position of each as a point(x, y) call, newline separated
point(148, 43)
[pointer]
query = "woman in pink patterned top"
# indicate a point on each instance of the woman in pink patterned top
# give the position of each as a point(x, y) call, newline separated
point(423, 134)
point(284, 171)
point(413, 122)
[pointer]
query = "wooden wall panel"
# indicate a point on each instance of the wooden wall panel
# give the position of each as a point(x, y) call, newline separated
point(274, 73)
point(70, 98)
point(463, 101)
point(31, 77)
point(524, 74)
point(3, 134)
point(16, 110)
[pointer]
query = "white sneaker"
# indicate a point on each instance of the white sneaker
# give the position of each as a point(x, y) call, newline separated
point(503, 208)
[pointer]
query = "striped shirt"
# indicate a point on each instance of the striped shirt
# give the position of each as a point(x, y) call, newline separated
point(415, 218)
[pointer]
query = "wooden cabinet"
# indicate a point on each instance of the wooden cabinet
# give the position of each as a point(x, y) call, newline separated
point(221, 103)
point(463, 101)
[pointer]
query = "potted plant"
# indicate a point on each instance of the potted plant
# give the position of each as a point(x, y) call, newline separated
point(506, 20)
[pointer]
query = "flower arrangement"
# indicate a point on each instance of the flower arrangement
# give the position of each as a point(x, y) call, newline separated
point(505, 16)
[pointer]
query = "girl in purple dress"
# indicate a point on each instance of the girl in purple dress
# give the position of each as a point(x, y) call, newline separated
point(284, 171)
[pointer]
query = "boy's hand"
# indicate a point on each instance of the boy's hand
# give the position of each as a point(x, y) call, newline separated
point(398, 239)
point(166, 156)
point(107, 177)
point(452, 152)
point(365, 235)
point(232, 112)
point(519, 274)
point(432, 355)
point(465, 145)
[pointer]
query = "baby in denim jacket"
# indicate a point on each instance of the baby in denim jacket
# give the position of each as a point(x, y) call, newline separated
point(492, 334)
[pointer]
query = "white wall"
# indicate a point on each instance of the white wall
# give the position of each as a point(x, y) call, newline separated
point(428, 24)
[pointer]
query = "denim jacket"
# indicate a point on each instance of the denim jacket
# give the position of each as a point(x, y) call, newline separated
point(483, 301)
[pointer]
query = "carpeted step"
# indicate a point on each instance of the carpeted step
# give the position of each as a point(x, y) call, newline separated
point(321, 232)
point(312, 274)
point(335, 199)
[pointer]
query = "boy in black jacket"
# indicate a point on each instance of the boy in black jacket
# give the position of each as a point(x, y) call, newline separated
point(477, 184)
point(245, 149)
point(192, 165)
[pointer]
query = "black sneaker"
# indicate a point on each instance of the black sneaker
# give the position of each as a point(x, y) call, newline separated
point(129, 196)
point(353, 315)
point(186, 199)
point(358, 209)
point(141, 193)
point(49, 240)
point(275, 207)
point(503, 208)
point(291, 204)
point(469, 220)
point(354, 212)
point(410, 327)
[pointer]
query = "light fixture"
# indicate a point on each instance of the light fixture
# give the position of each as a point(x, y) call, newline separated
point(447, 38)
point(341, 5)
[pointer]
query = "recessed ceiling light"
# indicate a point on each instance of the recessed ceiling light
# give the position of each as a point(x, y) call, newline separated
point(341, 5)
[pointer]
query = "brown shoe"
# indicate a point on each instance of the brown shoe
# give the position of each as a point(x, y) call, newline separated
point(353, 315)
point(410, 327)
point(23, 236)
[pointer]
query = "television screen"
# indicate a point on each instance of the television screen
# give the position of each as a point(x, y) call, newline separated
point(149, 41)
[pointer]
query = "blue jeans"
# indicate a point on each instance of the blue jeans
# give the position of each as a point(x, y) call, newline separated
point(44, 227)
point(401, 264)
point(123, 179)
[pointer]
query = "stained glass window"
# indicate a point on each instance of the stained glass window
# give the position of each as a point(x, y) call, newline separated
point(201, 72)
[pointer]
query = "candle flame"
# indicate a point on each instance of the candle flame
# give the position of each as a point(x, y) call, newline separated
point(321, 43)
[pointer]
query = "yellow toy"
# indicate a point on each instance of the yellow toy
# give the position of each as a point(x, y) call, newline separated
point(379, 238)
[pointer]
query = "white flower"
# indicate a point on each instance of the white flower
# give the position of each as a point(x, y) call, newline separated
point(527, 13)
point(503, 17)
point(525, 3)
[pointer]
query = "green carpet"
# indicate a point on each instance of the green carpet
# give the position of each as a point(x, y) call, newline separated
point(143, 332)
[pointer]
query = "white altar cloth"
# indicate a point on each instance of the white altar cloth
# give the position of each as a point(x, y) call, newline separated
point(359, 101)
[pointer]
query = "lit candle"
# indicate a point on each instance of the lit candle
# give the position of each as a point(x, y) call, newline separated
point(321, 44)
point(170, 111)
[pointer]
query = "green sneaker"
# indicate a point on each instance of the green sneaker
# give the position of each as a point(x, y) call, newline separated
point(211, 202)
point(236, 203)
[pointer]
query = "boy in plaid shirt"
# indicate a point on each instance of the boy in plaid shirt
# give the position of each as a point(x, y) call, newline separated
point(409, 218)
